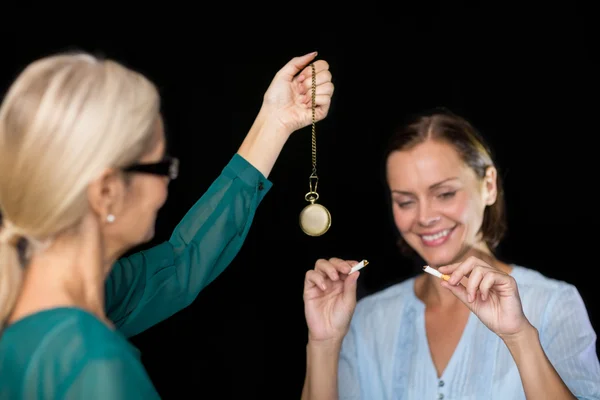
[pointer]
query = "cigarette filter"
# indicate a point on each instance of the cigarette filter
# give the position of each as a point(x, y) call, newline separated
point(435, 272)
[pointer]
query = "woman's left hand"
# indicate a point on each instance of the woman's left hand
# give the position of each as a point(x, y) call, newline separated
point(490, 293)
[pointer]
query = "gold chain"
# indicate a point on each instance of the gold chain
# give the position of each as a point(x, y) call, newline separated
point(315, 219)
point(314, 135)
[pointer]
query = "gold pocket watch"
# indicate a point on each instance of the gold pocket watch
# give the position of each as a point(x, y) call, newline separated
point(315, 219)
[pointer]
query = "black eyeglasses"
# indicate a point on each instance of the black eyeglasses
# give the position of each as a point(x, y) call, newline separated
point(168, 166)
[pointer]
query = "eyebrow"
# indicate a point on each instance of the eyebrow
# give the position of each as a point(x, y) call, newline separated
point(435, 185)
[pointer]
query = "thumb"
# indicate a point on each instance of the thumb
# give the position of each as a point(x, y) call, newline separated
point(296, 65)
point(349, 294)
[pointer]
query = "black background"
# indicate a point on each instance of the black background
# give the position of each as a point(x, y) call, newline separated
point(528, 82)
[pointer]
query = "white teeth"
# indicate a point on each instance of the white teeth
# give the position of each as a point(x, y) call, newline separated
point(437, 235)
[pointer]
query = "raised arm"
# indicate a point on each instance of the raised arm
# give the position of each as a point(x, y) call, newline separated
point(329, 302)
point(152, 285)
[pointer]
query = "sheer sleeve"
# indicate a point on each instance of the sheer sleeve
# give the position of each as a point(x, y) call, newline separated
point(109, 379)
point(150, 286)
point(569, 341)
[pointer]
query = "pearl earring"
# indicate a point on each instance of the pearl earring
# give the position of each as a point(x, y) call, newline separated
point(110, 218)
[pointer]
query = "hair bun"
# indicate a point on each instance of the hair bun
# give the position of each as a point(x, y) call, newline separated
point(9, 235)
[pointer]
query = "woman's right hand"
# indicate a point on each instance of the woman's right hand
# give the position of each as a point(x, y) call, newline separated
point(329, 299)
point(288, 99)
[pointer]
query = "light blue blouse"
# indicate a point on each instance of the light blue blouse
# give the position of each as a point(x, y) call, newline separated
point(385, 354)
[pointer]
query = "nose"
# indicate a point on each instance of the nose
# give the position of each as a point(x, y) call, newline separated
point(427, 215)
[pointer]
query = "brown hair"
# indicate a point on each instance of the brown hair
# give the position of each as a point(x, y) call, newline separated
point(443, 125)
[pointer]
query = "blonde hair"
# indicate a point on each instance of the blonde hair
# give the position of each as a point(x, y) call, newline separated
point(64, 120)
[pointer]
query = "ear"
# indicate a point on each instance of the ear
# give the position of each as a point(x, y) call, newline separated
point(106, 194)
point(490, 186)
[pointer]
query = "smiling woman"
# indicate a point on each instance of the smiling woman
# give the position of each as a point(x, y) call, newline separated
point(486, 330)
point(447, 195)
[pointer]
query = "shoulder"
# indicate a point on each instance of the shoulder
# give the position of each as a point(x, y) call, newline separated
point(83, 332)
point(52, 347)
point(535, 286)
point(531, 279)
point(546, 299)
point(56, 328)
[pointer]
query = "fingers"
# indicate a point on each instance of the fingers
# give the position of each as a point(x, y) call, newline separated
point(459, 291)
point(321, 100)
point(458, 271)
point(328, 269)
point(296, 65)
point(475, 278)
point(349, 294)
point(334, 269)
point(323, 87)
point(321, 78)
point(486, 284)
point(482, 281)
point(322, 73)
point(314, 278)
point(481, 278)
point(323, 94)
point(448, 269)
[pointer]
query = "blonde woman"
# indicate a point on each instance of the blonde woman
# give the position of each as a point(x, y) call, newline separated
point(83, 172)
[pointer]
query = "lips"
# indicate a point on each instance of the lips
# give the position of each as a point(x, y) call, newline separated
point(436, 238)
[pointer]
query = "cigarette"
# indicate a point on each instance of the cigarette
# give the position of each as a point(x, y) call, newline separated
point(435, 272)
point(358, 266)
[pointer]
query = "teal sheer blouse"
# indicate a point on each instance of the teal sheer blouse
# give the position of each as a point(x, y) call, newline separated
point(66, 353)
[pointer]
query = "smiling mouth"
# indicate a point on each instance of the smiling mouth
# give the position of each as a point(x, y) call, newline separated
point(436, 238)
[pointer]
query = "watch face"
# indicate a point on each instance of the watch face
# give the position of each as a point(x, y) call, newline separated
point(315, 220)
